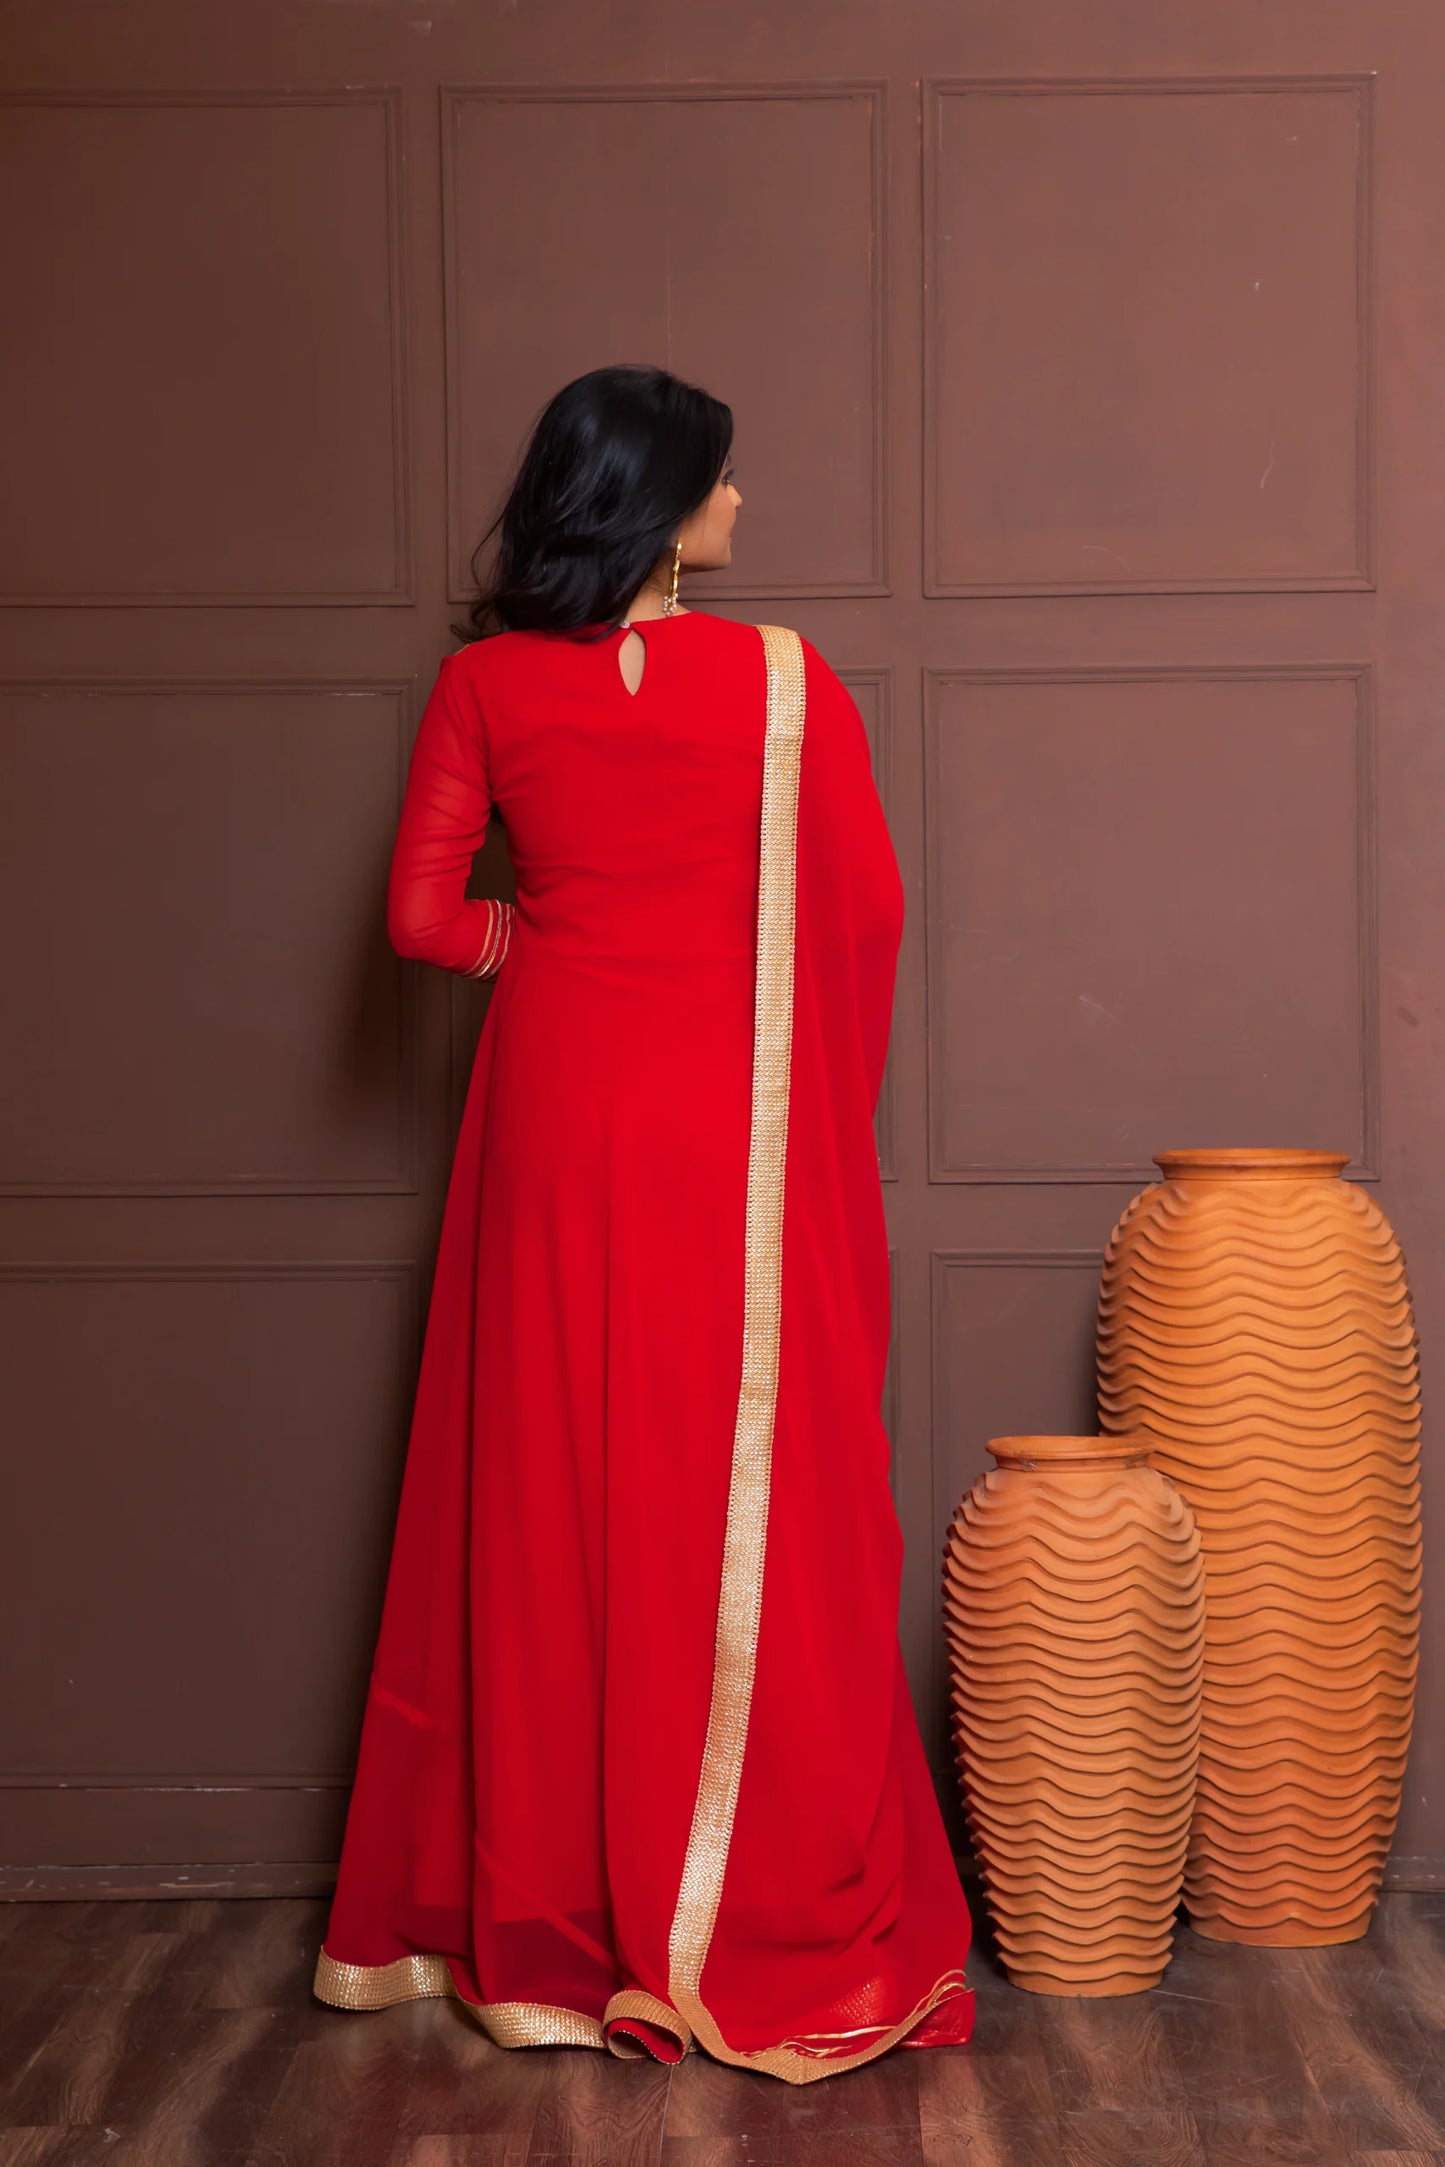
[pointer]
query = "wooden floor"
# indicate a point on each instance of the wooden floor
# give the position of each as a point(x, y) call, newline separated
point(185, 2035)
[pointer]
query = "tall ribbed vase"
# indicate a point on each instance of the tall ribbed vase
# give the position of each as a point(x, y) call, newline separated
point(1073, 1602)
point(1255, 1318)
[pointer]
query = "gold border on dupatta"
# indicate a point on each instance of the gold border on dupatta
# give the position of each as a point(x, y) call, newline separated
point(802, 2059)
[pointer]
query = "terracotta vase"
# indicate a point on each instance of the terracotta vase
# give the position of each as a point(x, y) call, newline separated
point(1074, 1614)
point(1255, 1319)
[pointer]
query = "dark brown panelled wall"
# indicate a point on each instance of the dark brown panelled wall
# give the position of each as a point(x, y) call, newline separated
point(1087, 367)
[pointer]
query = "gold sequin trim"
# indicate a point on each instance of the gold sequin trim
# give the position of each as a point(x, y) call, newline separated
point(420, 1978)
point(633, 2002)
point(498, 940)
point(740, 1601)
point(534, 2024)
point(377, 1986)
point(542, 2024)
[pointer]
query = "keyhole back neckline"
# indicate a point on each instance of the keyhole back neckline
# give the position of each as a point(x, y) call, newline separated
point(623, 631)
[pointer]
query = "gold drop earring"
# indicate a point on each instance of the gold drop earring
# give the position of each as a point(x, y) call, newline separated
point(669, 600)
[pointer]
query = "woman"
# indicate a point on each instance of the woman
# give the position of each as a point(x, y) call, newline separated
point(639, 1768)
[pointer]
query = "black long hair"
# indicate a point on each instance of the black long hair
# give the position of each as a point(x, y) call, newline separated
point(615, 462)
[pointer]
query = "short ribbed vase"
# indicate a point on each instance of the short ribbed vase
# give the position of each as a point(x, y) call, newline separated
point(1255, 1319)
point(1073, 1606)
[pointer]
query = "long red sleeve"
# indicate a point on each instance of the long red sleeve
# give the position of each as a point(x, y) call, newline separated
point(444, 816)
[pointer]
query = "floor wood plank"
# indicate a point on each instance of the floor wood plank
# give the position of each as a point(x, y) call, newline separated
point(155, 2034)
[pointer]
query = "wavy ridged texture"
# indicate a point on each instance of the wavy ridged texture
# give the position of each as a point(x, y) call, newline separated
point(1073, 1603)
point(1255, 1319)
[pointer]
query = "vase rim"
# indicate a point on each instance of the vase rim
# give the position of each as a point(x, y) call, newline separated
point(1237, 1159)
point(1126, 1448)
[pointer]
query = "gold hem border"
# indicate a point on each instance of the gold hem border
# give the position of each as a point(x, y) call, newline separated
point(428, 1976)
point(425, 1977)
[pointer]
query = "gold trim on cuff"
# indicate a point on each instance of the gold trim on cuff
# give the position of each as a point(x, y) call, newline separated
point(498, 940)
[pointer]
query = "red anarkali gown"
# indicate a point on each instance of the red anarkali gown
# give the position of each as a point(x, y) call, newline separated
point(639, 1768)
